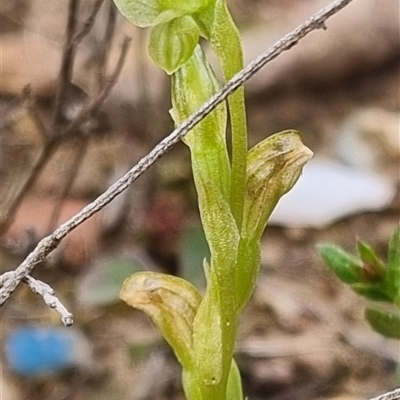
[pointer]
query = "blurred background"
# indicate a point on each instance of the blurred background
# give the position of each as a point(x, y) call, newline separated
point(76, 117)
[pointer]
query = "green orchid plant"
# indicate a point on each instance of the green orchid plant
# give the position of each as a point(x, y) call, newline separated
point(370, 277)
point(237, 191)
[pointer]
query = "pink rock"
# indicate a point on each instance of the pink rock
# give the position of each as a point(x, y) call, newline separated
point(76, 250)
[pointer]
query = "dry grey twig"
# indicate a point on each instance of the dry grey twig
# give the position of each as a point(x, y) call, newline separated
point(49, 297)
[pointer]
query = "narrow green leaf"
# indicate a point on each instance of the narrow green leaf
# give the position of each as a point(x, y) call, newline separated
point(218, 27)
point(226, 42)
point(346, 267)
point(371, 291)
point(208, 336)
point(393, 266)
point(234, 389)
point(384, 322)
point(394, 250)
point(374, 268)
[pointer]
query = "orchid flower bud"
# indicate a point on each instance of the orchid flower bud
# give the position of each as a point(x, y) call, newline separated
point(171, 303)
point(273, 167)
point(153, 12)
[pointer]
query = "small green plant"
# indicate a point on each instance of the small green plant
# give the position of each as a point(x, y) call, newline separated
point(236, 193)
point(373, 279)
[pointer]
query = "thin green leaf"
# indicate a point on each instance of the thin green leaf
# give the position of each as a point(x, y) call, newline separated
point(384, 322)
point(393, 267)
point(346, 267)
point(394, 250)
point(374, 268)
point(234, 389)
point(208, 341)
point(371, 292)
point(218, 27)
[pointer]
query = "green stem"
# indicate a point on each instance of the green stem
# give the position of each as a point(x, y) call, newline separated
point(224, 37)
point(239, 146)
point(215, 322)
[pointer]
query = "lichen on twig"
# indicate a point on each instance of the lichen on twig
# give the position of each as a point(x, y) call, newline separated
point(49, 297)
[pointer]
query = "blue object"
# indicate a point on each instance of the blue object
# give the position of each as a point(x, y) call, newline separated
point(33, 351)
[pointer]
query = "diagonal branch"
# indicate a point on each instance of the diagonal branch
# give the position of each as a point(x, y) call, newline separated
point(394, 395)
point(88, 24)
point(105, 46)
point(95, 104)
point(49, 243)
point(52, 144)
